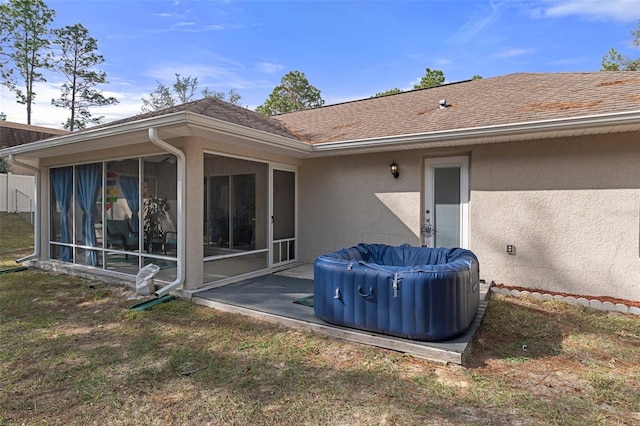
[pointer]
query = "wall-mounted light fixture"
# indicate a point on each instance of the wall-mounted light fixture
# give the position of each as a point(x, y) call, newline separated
point(394, 169)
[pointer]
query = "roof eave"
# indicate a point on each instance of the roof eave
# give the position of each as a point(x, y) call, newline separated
point(96, 133)
point(190, 121)
point(544, 129)
point(292, 146)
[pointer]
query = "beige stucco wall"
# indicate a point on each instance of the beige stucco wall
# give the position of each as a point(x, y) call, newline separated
point(351, 199)
point(570, 206)
point(193, 213)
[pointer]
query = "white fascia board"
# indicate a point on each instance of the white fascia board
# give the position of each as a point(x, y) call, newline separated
point(98, 133)
point(476, 135)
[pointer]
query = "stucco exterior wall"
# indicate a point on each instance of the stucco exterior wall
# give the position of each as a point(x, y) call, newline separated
point(351, 199)
point(571, 207)
point(193, 213)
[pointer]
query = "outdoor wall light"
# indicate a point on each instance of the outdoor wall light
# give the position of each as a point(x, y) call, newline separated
point(394, 169)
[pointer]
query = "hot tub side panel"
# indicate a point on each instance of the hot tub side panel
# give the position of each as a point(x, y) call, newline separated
point(422, 306)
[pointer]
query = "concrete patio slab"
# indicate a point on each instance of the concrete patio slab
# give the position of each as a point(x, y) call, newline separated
point(271, 297)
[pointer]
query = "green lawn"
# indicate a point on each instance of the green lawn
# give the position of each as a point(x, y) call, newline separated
point(16, 239)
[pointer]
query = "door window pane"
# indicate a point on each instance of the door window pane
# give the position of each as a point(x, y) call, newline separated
point(447, 206)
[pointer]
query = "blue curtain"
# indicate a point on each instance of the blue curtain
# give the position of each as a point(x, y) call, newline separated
point(88, 185)
point(62, 179)
point(129, 185)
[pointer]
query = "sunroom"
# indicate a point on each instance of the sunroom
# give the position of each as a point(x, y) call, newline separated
point(206, 200)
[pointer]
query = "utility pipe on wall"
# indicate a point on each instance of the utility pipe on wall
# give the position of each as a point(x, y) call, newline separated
point(181, 225)
point(36, 199)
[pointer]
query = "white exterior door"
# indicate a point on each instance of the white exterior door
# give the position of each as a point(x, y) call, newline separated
point(446, 210)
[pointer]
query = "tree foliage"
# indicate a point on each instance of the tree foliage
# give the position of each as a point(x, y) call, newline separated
point(162, 97)
point(387, 92)
point(5, 41)
point(231, 97)
point(615, 61)
point(4, 167)
point(77, 62)
point(183, 90)
point(25, 42)
point(431, 78)
point(294, 93)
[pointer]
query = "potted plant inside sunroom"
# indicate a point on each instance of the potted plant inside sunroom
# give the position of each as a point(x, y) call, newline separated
point(155, 212)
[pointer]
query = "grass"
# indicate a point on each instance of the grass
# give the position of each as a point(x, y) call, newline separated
point(72, 353)
point(16, 239)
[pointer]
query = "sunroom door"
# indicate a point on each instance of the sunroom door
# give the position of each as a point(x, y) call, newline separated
point(446, 214)
point(283, 217)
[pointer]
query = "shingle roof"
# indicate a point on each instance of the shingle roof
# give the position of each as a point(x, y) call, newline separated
point(12, 134)
point(214, 108)
point(515, 98)
point(510, 99)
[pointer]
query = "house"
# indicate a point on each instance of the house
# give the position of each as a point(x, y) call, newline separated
point(16, 186)
point(538, 174)
point(14, 134)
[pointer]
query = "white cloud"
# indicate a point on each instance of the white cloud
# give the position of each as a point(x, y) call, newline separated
point(226, 74)
point(42, 112)
point(46, 115)
point(512, 53)
point(269, 67)
point(572, 61)
point(443, 61)
point(618, 10)
point(476, 24)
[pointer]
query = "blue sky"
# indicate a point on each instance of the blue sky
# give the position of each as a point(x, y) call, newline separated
point(347, 49)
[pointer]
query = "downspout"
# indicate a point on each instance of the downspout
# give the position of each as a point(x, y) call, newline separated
point(36, 199)
point(181, 225)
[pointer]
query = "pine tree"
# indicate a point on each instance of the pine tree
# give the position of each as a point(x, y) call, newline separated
point(77, 62)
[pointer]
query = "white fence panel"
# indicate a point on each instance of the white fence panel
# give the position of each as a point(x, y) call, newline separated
point(16, 193)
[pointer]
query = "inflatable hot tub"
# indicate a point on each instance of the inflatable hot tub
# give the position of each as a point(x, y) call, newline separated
point(418, 293)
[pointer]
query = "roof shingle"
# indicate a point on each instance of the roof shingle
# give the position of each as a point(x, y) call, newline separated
point(214, 108)
point(12, 134)
point(515, 98)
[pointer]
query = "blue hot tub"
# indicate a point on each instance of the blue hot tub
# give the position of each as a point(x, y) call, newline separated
point(418, 293)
